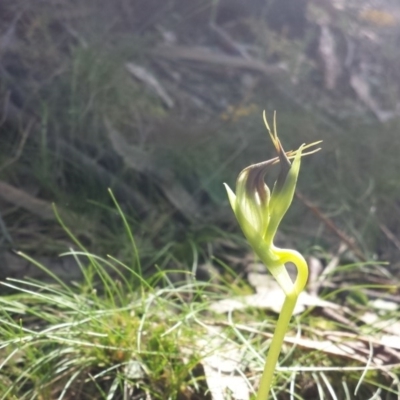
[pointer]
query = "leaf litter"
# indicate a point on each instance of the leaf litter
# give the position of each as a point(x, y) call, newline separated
point(378, 350)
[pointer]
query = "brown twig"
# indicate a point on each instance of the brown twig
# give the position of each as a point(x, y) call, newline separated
point(203, 55)
point(331, 225)
point(389, 234)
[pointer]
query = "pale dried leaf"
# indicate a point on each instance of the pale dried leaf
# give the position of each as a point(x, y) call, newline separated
point(222, 361)
point(315, 266)
point(384, 305)
point(392, 341)
point(391, 326)
point(203, 55)
point(151, 82)
point(363, 91)
point(272, 300)
point(351, 346)
point(325, 346)
point(309, 300)
point(227, 305)
point(327, 51)
point(269, 296)
point(221, 385)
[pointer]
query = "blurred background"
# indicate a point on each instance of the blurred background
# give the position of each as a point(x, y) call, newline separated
point(162, 100)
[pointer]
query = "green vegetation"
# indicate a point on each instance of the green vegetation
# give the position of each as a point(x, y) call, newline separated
point(119, 335)
point(259, 213)
point(164, 303)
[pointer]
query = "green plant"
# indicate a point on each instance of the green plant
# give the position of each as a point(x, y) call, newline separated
point(117, 334)
point(259, 213)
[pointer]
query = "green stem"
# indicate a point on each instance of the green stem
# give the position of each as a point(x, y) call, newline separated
point(293, 256)
point(275, 347)
point(292, 292)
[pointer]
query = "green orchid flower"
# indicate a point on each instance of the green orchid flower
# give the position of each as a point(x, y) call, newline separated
point(259, 213)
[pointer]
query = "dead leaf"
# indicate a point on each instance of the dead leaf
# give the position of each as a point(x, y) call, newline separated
point(220, 385)
point(222, 361)
point(327, 51)
point(352, 346)
point(384, 305)
point(315, 266)
point(391, 341)
point(206, 56)
point(363, 91)
point(151, 82)
point(391, 325)
point(269, 296)
point(22, 199)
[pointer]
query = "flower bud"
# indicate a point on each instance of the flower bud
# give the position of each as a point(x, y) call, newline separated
point(257, 210)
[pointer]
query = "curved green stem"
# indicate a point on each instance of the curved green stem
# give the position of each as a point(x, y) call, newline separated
point(292, 293)
point(293, 256)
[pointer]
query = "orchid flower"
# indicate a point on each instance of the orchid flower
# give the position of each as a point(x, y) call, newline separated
point(259, 212)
